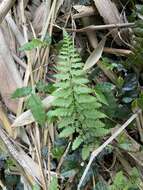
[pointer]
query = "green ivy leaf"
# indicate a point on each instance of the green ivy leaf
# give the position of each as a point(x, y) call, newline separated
point(77, 142)
point(35, 43)
point(22, 92)
point(37, 109)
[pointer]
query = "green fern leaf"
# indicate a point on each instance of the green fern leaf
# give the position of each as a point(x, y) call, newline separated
point(101, 132)
point(95, 105)
point(80, 81)
point(82, 90)
point(67, 132)
point(65, 122)
point(77, 72)
point(63, 85)
point(62, 68)
point(94, 125)
point(77, 66)
point(77, 142)
point(62, 93)
point(94, 114)
point(60, 112)
point(85, 152)
point(85, 98)
point(62, 76)
point(63, 102)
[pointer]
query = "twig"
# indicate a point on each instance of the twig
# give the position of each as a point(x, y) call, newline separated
point(5, 6)
point(102, 27)
point(121, 52)
point(49, 160)
point(23, 19)
point(62, 158)
point(96, 152)
point(44, 184)
point(19, 61)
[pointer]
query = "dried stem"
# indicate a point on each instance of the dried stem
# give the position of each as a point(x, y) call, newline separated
point(62, 158)
point(102, 27)
point(96, 152)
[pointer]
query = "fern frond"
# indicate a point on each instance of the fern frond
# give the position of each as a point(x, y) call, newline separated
point(76, 109)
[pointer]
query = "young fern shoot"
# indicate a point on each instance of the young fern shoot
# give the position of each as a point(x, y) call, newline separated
point(76, 109)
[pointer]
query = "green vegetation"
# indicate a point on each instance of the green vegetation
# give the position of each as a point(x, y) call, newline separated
point(76, 123)
point(77, 110)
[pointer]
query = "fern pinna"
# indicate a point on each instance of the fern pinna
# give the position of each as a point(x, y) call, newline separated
point(74, 106)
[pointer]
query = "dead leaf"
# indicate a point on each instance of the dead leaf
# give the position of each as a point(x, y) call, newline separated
point(10, 78)
point(5, 122)
point(95, 55)
point(59, 4)
point(108, 10)
point(83, 11)
point(22, 159)
point(26, 163)
point(39, 17)
point(27, 117)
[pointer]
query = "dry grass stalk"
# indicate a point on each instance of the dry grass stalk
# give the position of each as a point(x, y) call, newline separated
point(96, 152)
point(102, 27)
